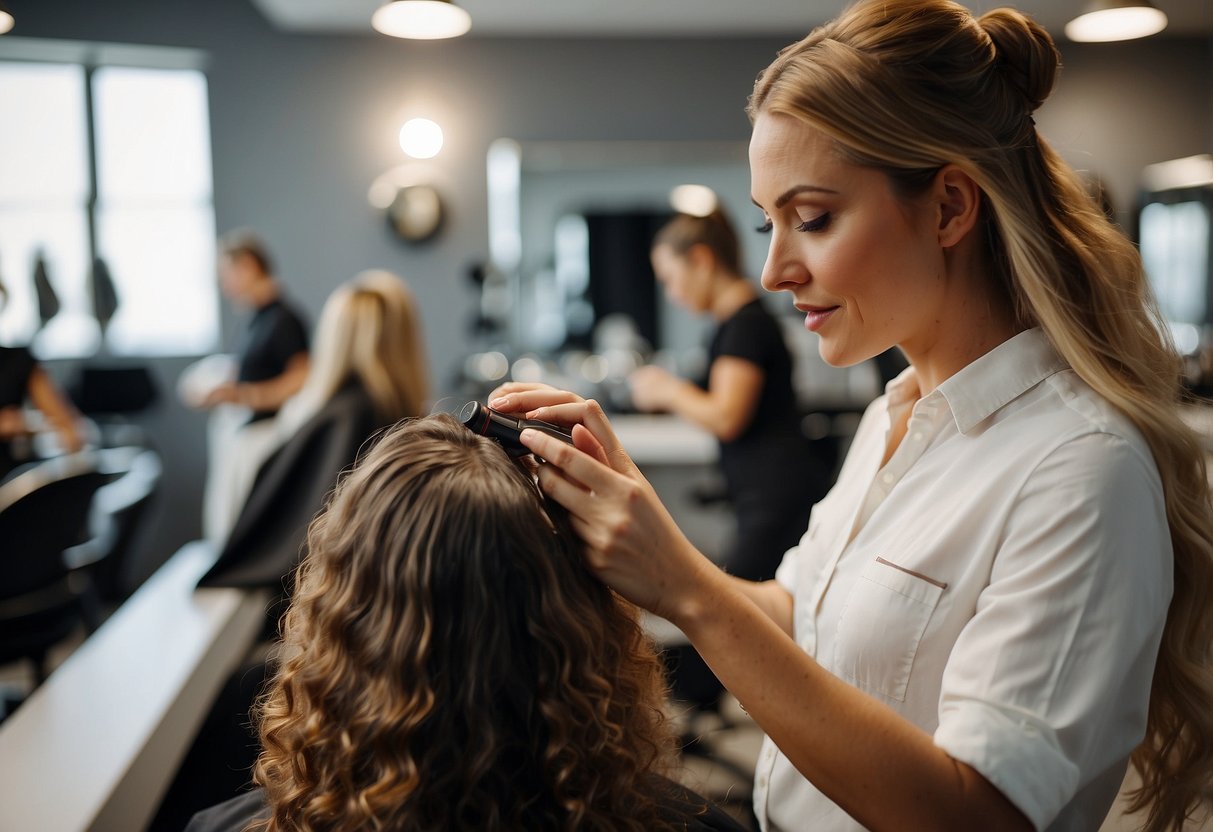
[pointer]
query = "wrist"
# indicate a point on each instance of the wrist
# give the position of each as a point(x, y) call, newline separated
point(698, 602)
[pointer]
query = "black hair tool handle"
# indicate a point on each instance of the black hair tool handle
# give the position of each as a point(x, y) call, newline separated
point(506, 428)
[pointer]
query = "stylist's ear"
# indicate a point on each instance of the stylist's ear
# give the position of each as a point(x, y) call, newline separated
point(959, 200)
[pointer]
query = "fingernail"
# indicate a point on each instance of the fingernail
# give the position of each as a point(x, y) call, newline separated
point(526, 435)
point(499, 402)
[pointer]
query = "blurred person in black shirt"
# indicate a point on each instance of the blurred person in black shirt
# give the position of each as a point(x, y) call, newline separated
point(272, 357)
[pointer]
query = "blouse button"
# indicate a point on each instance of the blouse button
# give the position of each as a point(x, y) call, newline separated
point(887, 478)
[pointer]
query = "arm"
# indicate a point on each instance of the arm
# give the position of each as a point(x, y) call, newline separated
point(770, 597)
point(56, 408)
point(266, 395)
point(725, 409)
point(876, 765)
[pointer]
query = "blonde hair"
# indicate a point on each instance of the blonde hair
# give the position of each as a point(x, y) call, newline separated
point(450, 663)
point(368, 331)
point(907, 86)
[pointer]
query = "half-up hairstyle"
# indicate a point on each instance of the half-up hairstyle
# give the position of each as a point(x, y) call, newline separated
point(448, 662)
point(908, 86)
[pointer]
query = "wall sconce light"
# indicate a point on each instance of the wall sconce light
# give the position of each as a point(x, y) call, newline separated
point(421, 138)
point(421, 19)
point(1110, 20)
point(6, 19)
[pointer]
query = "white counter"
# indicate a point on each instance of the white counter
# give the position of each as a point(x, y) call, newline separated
point(664, 440)
point(95, 747)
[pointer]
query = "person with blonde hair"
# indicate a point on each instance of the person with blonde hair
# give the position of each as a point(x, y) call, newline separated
point(1006, 597)
point(368, 370)
point(448, 662)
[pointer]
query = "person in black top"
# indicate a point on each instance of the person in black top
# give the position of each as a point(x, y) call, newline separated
point(747, 401)
point(21, 379)
point(273, 353)
point(449, 662)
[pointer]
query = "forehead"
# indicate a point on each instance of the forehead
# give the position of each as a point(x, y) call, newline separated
point(784, 148)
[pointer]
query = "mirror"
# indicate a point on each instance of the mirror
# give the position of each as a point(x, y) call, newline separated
point(572, 197)
point(564, 214)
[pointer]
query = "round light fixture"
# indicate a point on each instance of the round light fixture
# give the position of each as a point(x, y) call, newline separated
point(696, 200)
point(6, 19)
point(421, 19)
point(1111, 20)
point(420, 137)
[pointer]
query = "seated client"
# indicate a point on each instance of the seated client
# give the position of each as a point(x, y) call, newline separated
point(368, 370)
point(447, 662)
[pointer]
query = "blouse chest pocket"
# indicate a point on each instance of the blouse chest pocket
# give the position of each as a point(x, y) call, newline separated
point(881, 626)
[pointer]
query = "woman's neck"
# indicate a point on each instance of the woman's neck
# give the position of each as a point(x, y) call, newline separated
point(731, 294)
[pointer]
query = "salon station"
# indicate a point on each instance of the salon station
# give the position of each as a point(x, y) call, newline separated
point(509, 186)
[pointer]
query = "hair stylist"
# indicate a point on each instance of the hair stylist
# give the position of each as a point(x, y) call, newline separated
point(748, 402)
point(1007, 592)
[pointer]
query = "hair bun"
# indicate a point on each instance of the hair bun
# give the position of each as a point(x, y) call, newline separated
point(1025, 53)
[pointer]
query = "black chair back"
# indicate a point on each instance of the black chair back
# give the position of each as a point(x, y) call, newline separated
point(44, 510)
point(38, 527)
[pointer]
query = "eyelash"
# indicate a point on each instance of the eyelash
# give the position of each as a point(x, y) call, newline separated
point(816, 224)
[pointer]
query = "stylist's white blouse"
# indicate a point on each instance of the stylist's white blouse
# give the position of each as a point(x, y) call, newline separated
point(1002, 583)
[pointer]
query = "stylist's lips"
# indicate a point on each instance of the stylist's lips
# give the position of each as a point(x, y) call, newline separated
point(816, 316)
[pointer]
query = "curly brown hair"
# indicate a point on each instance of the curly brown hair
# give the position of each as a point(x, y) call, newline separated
point(448, 662)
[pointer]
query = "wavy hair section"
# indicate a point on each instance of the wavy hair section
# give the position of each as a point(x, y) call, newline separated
point(907, 86)
point(449, 663)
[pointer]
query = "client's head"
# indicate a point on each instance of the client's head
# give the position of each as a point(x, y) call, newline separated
point(448, 662)
point(370, 331)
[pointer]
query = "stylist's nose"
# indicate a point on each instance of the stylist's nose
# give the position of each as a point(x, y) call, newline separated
point(782, 272)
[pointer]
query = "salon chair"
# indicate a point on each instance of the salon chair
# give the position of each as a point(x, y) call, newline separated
point(44, 511)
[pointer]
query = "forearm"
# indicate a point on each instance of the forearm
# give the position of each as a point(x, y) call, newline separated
point(58, 411)
point(883, 770)
point(771, 598)
point(271, 394)
point(699, 406)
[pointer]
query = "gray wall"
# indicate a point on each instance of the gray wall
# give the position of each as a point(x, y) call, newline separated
point(302, 124)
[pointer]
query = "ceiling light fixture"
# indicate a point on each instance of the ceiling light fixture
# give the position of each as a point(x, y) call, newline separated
point(421, 19)
point(1108, 20)
point(6, 19)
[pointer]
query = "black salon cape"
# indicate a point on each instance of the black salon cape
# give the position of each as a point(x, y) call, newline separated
point(679, 805)
point(267, 539)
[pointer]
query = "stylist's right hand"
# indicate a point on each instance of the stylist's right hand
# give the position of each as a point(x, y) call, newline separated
point(632, 543)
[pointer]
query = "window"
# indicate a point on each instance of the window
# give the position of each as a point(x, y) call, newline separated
point(106, 169)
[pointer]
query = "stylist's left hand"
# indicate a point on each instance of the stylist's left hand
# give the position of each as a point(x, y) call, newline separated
point(632, 543)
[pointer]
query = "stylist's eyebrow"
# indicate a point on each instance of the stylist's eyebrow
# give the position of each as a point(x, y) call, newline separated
point(784, 198)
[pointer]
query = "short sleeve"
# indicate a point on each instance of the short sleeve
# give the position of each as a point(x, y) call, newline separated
point(752, 334)
point(289, 337)
point(1047, 685)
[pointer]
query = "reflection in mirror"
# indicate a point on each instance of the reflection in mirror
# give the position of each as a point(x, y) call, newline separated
point(570, 226)
point(1175, 228)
